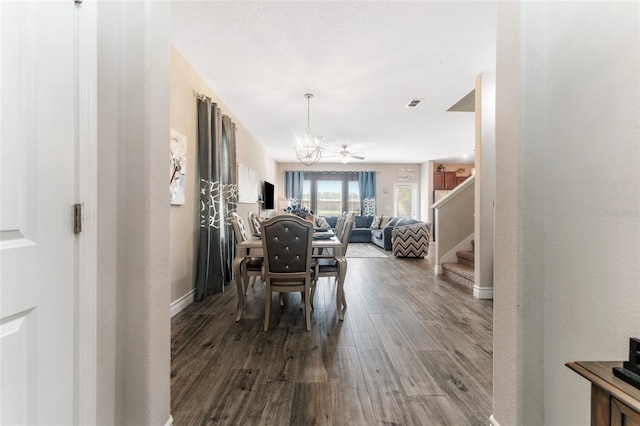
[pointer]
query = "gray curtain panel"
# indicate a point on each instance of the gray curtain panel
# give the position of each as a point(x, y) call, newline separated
point(218, 189)
point(229, 199)
point(293, 184)
point(367, 185)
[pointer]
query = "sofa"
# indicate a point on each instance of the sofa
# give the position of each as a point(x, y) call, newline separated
point(382, 236)
point(362, 232)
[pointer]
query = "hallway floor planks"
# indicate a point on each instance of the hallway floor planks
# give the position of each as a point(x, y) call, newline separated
point(414, 349)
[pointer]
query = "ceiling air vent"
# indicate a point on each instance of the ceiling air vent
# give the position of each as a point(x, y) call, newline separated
point(414, 103)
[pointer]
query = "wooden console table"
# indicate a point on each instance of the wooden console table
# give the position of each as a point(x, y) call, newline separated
point(613, 401)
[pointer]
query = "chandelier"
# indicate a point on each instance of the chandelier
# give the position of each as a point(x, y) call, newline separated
point(308, 150)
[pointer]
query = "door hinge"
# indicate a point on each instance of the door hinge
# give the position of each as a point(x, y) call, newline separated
point(77, 218)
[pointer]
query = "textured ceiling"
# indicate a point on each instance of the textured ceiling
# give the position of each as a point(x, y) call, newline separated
point(363, 61)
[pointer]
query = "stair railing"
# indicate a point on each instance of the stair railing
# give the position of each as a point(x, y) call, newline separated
point(453, 220)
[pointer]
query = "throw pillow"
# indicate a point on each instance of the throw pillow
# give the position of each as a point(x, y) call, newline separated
point(360, 222)
point(384, 221)
point(321, 222)
point(375, 224)
point(394, 221)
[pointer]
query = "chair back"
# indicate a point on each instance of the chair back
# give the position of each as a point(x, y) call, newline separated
point(346, 232)
point(239, 228)
point(254, 223)
point(286, 242)
point(340, 225)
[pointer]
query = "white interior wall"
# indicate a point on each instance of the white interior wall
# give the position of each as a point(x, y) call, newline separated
point(506, 304)
point(567, 239)
point(133, 366)
point(485, 164)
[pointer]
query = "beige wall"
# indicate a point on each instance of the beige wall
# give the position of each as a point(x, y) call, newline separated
point(387, 175)
point(567, 238)
point(185, 80)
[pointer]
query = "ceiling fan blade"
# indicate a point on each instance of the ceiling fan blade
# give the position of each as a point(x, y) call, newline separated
point(357, 157)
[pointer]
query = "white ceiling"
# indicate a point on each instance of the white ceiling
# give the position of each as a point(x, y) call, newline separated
point(363, 61)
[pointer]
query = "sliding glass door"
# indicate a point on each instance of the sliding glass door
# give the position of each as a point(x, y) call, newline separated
point(329, 194)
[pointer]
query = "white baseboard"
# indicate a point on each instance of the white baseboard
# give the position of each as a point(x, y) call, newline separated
point(170, 421)
point(482, 292)
point(178, 305)
point(493, 421)
point(437, 270)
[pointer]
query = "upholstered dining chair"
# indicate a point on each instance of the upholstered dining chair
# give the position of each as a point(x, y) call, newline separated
point(250, 268)
point(340, 224)
point(329, 267)
point(254, 222)
point(286, 244)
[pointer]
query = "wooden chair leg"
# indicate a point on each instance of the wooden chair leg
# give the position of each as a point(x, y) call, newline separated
point(267, 306)
point(307, 308)
point(313, 294)
point(245, 278)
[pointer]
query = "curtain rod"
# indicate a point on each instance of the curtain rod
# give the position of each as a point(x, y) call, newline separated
point(199, 95)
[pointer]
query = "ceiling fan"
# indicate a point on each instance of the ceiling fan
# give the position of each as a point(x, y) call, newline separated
point(346, 155)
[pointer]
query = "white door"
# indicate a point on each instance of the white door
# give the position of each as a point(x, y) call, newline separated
point(37, 186)
point(405, 199)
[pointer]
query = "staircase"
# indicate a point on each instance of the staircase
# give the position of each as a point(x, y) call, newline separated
point(462, 272)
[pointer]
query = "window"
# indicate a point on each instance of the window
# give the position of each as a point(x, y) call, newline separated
point(328, 197)
point(331, 193)
point(306, 194)
point(354, 197)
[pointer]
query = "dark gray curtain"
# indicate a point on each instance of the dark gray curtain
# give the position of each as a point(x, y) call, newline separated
point(293, 185)
point(229, 200)
point(217, 192)
point(367, 185)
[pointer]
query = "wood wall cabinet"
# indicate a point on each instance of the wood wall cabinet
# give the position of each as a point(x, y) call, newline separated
point(447, 180)
point(438, 180)
point(613, 401)
point(460, 179)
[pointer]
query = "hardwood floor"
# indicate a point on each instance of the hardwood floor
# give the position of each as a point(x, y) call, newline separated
point(414, 349)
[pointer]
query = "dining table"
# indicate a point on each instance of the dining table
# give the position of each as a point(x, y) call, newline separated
point(323, 245)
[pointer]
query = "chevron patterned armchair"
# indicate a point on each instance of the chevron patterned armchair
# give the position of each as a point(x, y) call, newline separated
point(411, 240)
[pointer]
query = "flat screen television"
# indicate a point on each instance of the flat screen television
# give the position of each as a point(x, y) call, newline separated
point(268, 196)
